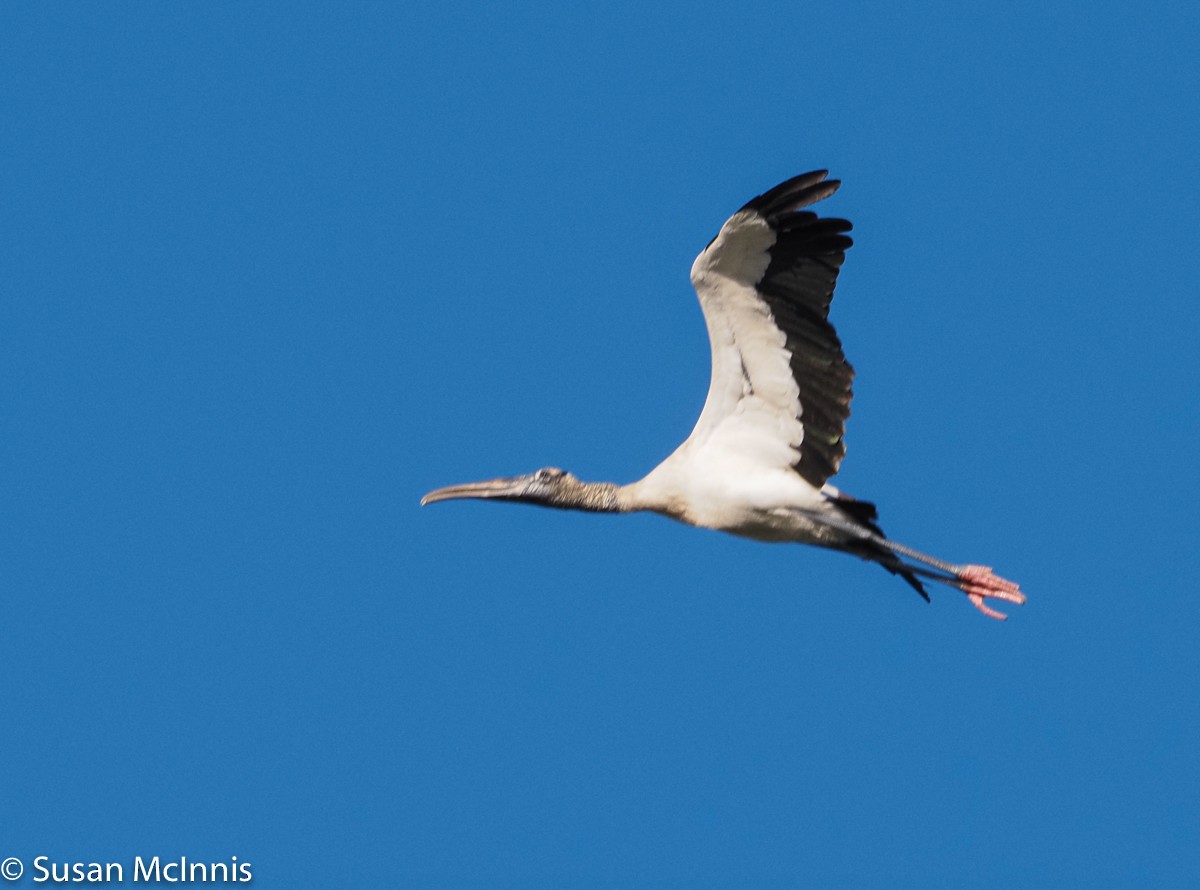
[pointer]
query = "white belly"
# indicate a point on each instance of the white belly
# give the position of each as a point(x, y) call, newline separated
point(772, 505)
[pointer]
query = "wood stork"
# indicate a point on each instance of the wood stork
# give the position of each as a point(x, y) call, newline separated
point(770, 434)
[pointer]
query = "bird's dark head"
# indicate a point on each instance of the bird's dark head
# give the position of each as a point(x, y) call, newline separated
point(548, 487)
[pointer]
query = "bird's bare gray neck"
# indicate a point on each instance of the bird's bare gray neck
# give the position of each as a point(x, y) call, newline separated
point(594, 497)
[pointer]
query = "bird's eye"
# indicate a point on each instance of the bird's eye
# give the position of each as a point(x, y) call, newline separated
point(548, 473)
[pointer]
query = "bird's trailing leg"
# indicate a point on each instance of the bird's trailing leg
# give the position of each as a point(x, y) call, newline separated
point(979, 583)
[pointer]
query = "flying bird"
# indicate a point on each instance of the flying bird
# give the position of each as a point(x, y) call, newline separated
point(770, 436)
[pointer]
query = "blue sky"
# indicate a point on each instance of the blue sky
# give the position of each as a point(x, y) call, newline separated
point(269, 272)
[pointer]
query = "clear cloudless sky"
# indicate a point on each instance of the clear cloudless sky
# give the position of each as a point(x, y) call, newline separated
point(271, 271)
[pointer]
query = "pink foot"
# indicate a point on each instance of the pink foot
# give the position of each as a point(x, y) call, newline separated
point(980, 582)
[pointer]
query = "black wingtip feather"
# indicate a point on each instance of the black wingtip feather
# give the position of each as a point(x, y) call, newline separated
point(797, 192)
point(810, 223)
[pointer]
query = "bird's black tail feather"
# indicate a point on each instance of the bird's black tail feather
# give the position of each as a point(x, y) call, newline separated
point(865, 514)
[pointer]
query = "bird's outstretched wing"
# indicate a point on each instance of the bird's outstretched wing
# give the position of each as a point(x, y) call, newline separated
point(781, 387)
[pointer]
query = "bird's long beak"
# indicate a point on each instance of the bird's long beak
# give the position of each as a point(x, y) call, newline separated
point(490, 488)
